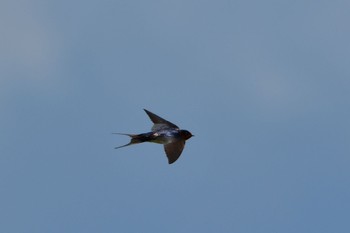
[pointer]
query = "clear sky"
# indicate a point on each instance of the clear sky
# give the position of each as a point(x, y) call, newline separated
point(264, 86)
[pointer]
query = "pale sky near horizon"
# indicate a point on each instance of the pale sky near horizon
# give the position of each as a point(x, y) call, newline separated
point(264, 86)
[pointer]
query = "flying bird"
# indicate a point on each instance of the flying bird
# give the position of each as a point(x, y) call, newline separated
point(163, 132)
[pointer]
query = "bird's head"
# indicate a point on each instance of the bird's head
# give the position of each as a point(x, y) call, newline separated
point(186, 134)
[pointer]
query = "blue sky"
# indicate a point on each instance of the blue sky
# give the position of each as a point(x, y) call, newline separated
point(264, 86)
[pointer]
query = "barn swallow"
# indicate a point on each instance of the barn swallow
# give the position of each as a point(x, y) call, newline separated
point(163, 132)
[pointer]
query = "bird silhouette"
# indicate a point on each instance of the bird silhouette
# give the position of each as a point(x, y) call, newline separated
point(163, 132)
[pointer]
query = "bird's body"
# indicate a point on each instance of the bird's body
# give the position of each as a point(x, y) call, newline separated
point(163, 132)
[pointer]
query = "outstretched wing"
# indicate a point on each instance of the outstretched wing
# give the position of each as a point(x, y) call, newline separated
point(174, 150)
point(160, 123)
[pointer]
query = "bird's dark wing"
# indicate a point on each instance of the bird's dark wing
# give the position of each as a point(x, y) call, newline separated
point(160, 123)
point(174, 150)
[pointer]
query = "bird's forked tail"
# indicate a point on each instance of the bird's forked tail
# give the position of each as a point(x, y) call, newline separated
point(135, 139)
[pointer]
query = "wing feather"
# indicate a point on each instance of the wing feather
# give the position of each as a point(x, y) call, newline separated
point(160, 123)
point(174, 150)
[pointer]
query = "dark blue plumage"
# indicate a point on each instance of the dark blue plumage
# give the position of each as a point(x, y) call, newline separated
point(163, 132)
